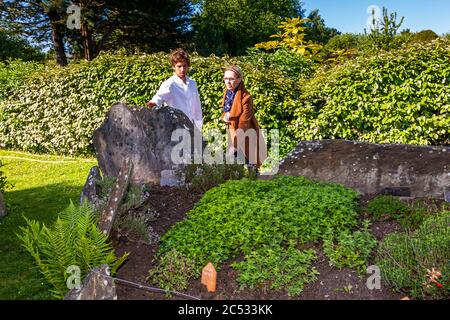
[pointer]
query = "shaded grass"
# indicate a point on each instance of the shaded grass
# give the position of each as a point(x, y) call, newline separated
point(43, 185)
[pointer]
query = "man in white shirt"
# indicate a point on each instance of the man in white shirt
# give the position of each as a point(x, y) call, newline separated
point(180, 91)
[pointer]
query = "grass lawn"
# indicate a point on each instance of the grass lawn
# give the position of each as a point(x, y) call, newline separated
point(43, 187)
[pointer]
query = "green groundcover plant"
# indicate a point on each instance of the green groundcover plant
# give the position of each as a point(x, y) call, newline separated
point(284, 268)
point(173, 272)
point(241, 216)
point(386, 206)
point(408, 260)
point(409, 215)
point(74, 240)
point(350, 249)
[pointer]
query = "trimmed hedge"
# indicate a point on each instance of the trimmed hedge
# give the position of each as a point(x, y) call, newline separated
point(401, 96)
point(13, 74)
point(56, 111)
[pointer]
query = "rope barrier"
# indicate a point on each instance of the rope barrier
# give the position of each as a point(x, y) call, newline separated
point(44, 161)
point(148, 288)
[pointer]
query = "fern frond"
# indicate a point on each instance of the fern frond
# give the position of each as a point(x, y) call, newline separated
point(74, 239)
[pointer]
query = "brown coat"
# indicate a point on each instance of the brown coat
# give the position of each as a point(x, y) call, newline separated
point(242, 117)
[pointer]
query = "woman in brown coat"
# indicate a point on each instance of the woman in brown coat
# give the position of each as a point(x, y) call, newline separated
point(238, 113)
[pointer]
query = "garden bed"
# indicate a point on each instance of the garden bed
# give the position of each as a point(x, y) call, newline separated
point(173, 204)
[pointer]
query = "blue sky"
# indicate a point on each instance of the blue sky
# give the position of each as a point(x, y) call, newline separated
point(351, 15)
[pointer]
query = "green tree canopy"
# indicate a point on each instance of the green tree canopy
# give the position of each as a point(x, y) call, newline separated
point(151, 25)
point(148, 25)
point(232, 26)
point(316, 31)
point(40, 20)
point(14, 47)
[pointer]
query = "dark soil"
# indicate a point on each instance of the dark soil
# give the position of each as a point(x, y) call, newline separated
point(173, 203)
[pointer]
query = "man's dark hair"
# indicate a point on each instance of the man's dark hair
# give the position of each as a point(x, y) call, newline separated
point(179, 55)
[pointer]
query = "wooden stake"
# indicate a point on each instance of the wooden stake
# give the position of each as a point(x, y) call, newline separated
point(209, 277)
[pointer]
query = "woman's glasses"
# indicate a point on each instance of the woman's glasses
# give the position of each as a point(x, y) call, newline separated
point(229, 79)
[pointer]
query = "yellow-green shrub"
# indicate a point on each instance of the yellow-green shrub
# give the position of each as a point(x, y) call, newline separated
point(401, 96)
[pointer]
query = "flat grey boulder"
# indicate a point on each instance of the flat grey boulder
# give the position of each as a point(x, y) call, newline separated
point(145, 137)
point(370, 168)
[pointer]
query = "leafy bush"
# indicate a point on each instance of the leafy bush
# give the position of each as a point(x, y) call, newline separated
point(57, 110)
point(424, 36)
point(410, 216)
point(352, 249)
point(346, 41)
point(401, 96)
point(173, 271)
point(202, 177)
point(284, 268)
point(15, 47)
point(242, 215)
point(405, 257)
point(291, 64)
point(74, 239)
point(13, 74)
point(387, 205)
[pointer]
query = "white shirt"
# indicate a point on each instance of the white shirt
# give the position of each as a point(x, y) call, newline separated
point(182, 96)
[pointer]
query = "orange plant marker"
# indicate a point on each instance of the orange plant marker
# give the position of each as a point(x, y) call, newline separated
point(209, 277)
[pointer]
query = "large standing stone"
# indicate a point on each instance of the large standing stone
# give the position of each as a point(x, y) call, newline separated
point(98, 285)
point(370, 168)
point(2, 206)
point(145, 136)
point(108, 215)
point(91, 190)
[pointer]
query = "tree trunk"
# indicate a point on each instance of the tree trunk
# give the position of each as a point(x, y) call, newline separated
point(88, 45)
point(57, 38)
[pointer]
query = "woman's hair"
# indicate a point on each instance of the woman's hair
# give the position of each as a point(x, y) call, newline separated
point(236, 70)
point(179, 55)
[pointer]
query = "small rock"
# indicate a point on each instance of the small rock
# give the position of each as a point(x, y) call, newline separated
point(447, 195)
point(97, 285)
